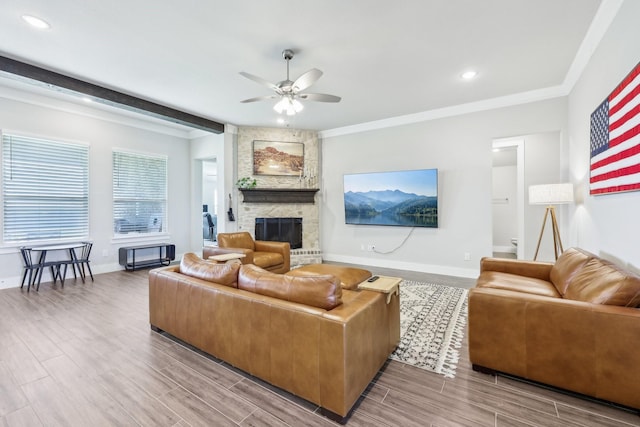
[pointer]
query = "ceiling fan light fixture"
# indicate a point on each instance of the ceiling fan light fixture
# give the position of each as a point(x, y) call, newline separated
point(289, 92)
point(288, 105)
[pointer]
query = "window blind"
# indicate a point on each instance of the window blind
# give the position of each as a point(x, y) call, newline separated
point(139, 193)
point(45, 188)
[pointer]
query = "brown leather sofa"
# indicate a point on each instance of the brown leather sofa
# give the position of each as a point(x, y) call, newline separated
point(272, 256)
point(573, 324)
point(303, 334)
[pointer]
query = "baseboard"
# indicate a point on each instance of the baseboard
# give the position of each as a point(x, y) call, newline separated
point(508, 249)
point(14, 281)
point(402, 265)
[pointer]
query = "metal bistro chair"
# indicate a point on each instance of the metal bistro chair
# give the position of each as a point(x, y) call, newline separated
point(29, 266)
point(83, 259)
point(38, 267)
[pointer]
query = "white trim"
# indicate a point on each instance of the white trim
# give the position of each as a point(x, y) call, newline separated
point(471, 273)
point(601, 21)
point(14, 281)
point(508, 249)
point(520, 190)
point(599, 26)
point(456, 110)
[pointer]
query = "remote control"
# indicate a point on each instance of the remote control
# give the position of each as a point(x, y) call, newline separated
point(373, 279)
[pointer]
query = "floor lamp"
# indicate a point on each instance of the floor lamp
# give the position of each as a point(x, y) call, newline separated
point(550, 195)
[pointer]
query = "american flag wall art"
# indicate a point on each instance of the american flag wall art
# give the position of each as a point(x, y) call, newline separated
point(615, 139)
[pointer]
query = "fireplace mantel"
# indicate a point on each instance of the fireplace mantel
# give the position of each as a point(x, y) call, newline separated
point(279, 195)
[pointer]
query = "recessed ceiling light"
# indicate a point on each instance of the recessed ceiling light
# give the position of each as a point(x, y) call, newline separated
point(468, 75)
point(36, 22)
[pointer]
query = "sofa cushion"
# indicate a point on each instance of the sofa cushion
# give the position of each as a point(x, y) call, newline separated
point(267, 259)
point(322, 291)
point(567, 265)
point(224, 274)
point(601, 282)
point(515, 282)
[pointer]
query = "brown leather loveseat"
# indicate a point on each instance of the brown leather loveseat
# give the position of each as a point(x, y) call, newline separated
point(574, 324)
point(303, 334)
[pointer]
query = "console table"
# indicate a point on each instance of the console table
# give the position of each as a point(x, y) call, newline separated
point(127, 256)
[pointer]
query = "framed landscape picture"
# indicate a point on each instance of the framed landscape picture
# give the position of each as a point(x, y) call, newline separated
point(278, 158)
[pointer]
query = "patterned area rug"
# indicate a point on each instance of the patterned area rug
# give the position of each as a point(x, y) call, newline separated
point(432, 320)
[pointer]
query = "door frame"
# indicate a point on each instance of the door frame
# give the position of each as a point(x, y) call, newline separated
point(518, 143)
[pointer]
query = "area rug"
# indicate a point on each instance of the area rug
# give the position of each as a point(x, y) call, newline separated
point(432, 321)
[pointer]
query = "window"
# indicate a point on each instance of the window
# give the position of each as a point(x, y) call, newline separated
point(139, 193)
point(45, 189)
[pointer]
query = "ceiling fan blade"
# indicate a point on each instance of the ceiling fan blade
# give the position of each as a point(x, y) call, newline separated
point(259, 80)
point(320, 97)
point(306, 80)
point(261, 98)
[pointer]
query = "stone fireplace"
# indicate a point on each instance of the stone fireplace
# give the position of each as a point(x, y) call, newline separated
point(265, 204)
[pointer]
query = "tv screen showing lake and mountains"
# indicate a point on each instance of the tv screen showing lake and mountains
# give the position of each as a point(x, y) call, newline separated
point(399, 198)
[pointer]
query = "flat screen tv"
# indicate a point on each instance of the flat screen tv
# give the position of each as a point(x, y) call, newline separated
point(401, 198)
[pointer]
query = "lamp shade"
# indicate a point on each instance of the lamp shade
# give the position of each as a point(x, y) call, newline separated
point(551, 194)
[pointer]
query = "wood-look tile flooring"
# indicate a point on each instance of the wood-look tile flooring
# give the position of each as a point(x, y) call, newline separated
point(84, 355)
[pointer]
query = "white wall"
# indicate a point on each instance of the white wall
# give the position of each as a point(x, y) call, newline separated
point(542, 161)
point(460, 147)
point(607, 224)
point(54, 119)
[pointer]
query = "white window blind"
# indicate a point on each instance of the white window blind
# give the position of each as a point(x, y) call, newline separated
point(139, 193)
point(45, 189)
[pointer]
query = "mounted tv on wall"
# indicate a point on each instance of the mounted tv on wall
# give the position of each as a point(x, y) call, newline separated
point(401, 198)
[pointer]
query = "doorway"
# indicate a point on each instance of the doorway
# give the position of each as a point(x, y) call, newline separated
point(209, 201)
point(508, 198)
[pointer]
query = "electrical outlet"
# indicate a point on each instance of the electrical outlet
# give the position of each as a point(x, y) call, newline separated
point(105, 252)
point(467, 256)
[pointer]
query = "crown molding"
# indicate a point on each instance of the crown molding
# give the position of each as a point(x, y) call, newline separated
point(602, 20)
point(456, 110)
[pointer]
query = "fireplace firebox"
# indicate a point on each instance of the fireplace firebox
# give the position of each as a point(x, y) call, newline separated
point(280, 230)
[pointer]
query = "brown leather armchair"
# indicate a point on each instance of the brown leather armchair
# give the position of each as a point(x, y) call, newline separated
point(272, 256)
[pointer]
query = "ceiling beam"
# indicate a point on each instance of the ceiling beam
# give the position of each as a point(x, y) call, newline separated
point(107, 96)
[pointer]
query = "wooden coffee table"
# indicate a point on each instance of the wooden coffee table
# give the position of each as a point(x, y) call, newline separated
point(384, 284)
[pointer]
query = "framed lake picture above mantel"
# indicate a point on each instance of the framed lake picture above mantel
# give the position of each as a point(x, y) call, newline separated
point(278, 158)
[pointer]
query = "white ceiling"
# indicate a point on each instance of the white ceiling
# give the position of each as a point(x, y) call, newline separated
point(384, 58)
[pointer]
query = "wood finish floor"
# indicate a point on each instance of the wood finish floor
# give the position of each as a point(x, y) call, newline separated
point(84, 355)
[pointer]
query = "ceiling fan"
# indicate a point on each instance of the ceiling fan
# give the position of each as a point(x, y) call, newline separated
point(290, 92)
